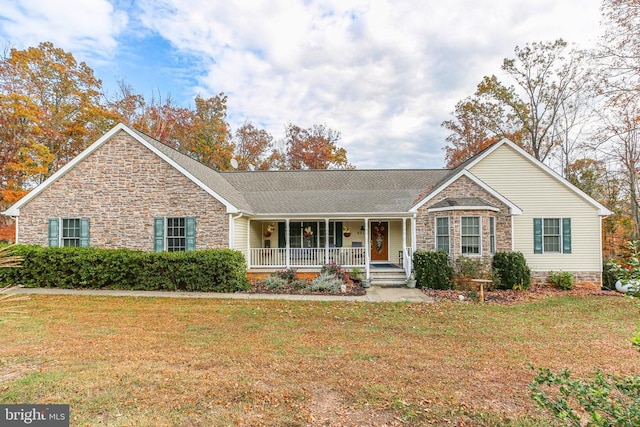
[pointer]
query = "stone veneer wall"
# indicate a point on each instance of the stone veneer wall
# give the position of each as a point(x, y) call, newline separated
point(121, 187)
point(581, 279)
point(464, 187)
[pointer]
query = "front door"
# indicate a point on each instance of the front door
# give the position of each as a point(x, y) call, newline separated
point(379, 241)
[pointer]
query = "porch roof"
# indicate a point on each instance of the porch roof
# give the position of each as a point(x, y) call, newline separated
point(333, 191)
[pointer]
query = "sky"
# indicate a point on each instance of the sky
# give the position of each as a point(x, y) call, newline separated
point(385, 74)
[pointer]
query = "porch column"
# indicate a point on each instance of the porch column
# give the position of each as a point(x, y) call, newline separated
point(326, 240)
point(413, 240)
point(367, 248)
point(286, 237)
point(249, 243)
point(404, 243)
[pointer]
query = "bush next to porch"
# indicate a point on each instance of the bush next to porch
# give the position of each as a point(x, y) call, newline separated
point(211, 270)
point(432, 269)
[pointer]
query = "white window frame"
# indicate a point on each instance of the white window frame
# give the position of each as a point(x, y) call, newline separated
point(437, 246)
point(479, 235)
point(492, 234)
point(61, 228)
point(559, 236)
point(175, 248)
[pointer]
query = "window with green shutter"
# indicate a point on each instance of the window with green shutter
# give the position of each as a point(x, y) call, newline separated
point(552, 235)
point(174, 234)
point(68, 232)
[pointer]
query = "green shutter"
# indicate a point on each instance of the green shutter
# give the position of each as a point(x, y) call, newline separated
point(338, 231)
point(54, 232)
point(566, 235)
point(537, 235)
point(190, 226)
point(158, 234)
point(84, 232)
point(282, 235)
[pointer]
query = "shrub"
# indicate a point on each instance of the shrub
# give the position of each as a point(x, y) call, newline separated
point(609, 278)
point(289, 274)
point(608, 400)
point(432, 269)
point(561, 279)
point(274, 282)
point(471, 267)
point(510, 269)
point(325, 282)
point(212, 270)
point(335, 270)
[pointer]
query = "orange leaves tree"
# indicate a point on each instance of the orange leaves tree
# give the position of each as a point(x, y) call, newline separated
point(313, 148)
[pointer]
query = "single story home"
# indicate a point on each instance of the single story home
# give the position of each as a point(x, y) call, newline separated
point(128, 190)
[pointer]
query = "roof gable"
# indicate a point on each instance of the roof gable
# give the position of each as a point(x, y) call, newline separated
point(602, 210)
point(155, 146)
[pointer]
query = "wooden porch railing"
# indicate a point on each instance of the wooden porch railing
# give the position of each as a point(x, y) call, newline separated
point(305, 257)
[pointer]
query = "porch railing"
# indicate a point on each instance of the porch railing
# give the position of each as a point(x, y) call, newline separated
point(306, 257)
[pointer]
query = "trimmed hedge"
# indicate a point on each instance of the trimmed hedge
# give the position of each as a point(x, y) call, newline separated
point(210, 270)
point(432, 269)
point(510, 268)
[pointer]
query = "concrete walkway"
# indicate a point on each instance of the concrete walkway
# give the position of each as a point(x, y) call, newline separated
point(374, 294)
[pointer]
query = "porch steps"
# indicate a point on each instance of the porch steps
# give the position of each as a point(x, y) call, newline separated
point(388, 277)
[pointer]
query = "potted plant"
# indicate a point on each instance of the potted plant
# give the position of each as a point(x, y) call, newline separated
point(270, 229)
point(355, 276)
point(346, 231)
point(411, 281)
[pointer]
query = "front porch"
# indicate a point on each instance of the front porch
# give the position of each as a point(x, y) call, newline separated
point(311, 243)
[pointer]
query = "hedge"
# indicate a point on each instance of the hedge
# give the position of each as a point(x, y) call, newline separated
point(432, 269)
point(210, 270)
point(510, 269)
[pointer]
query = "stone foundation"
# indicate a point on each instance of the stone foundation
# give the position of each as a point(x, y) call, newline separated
point(581, 279)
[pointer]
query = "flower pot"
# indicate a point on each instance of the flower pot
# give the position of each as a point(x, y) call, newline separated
point(267, 234)
point(347, 234)
point(366, 283)
point(411, 283)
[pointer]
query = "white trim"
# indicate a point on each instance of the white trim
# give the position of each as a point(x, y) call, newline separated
point(463, 208)
point(435, 232)
point(14, 210)
point(479, 235)
point(602, 210)
point(515, 210)
point(493, 241)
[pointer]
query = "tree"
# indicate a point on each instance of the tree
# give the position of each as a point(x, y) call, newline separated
point(314, 148)
point(544, 81)
point(210, 141)
point(620, 51)
point(64, 95)
point(252, 146)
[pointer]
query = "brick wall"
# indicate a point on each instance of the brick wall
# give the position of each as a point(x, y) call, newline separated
point(121, 187)
point(581, 279)
point(464, 187)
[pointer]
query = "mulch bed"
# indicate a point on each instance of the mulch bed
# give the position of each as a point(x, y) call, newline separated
point(292, 289)
point(511, 297)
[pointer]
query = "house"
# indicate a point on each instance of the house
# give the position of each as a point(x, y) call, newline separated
point(128, 190)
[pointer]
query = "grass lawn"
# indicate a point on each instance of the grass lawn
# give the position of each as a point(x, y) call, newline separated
point(121, 361)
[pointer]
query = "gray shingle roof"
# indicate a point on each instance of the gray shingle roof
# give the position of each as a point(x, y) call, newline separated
point(333, 191)
point(311, 191)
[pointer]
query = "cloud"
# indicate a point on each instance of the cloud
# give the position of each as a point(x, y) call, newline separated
point(383, 73)
point(87, 28)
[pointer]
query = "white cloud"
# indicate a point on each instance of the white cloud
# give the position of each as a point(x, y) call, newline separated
point(383, 73)
point(87, 28)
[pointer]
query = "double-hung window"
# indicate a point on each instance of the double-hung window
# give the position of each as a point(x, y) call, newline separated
point(492, 235)
point(552, 235)
point(68, 232)
point(442, 234)
point(470, 235)
point(174, 234)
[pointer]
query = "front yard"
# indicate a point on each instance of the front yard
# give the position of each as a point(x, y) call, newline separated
point(168, 362)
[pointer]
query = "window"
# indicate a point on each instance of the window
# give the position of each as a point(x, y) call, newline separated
point(470, 235)
point(442, 234)
point(176, 234)
point(552, 235)
point(492, 234)
point(312, 234)
point(173, 234)
point(68, 232)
